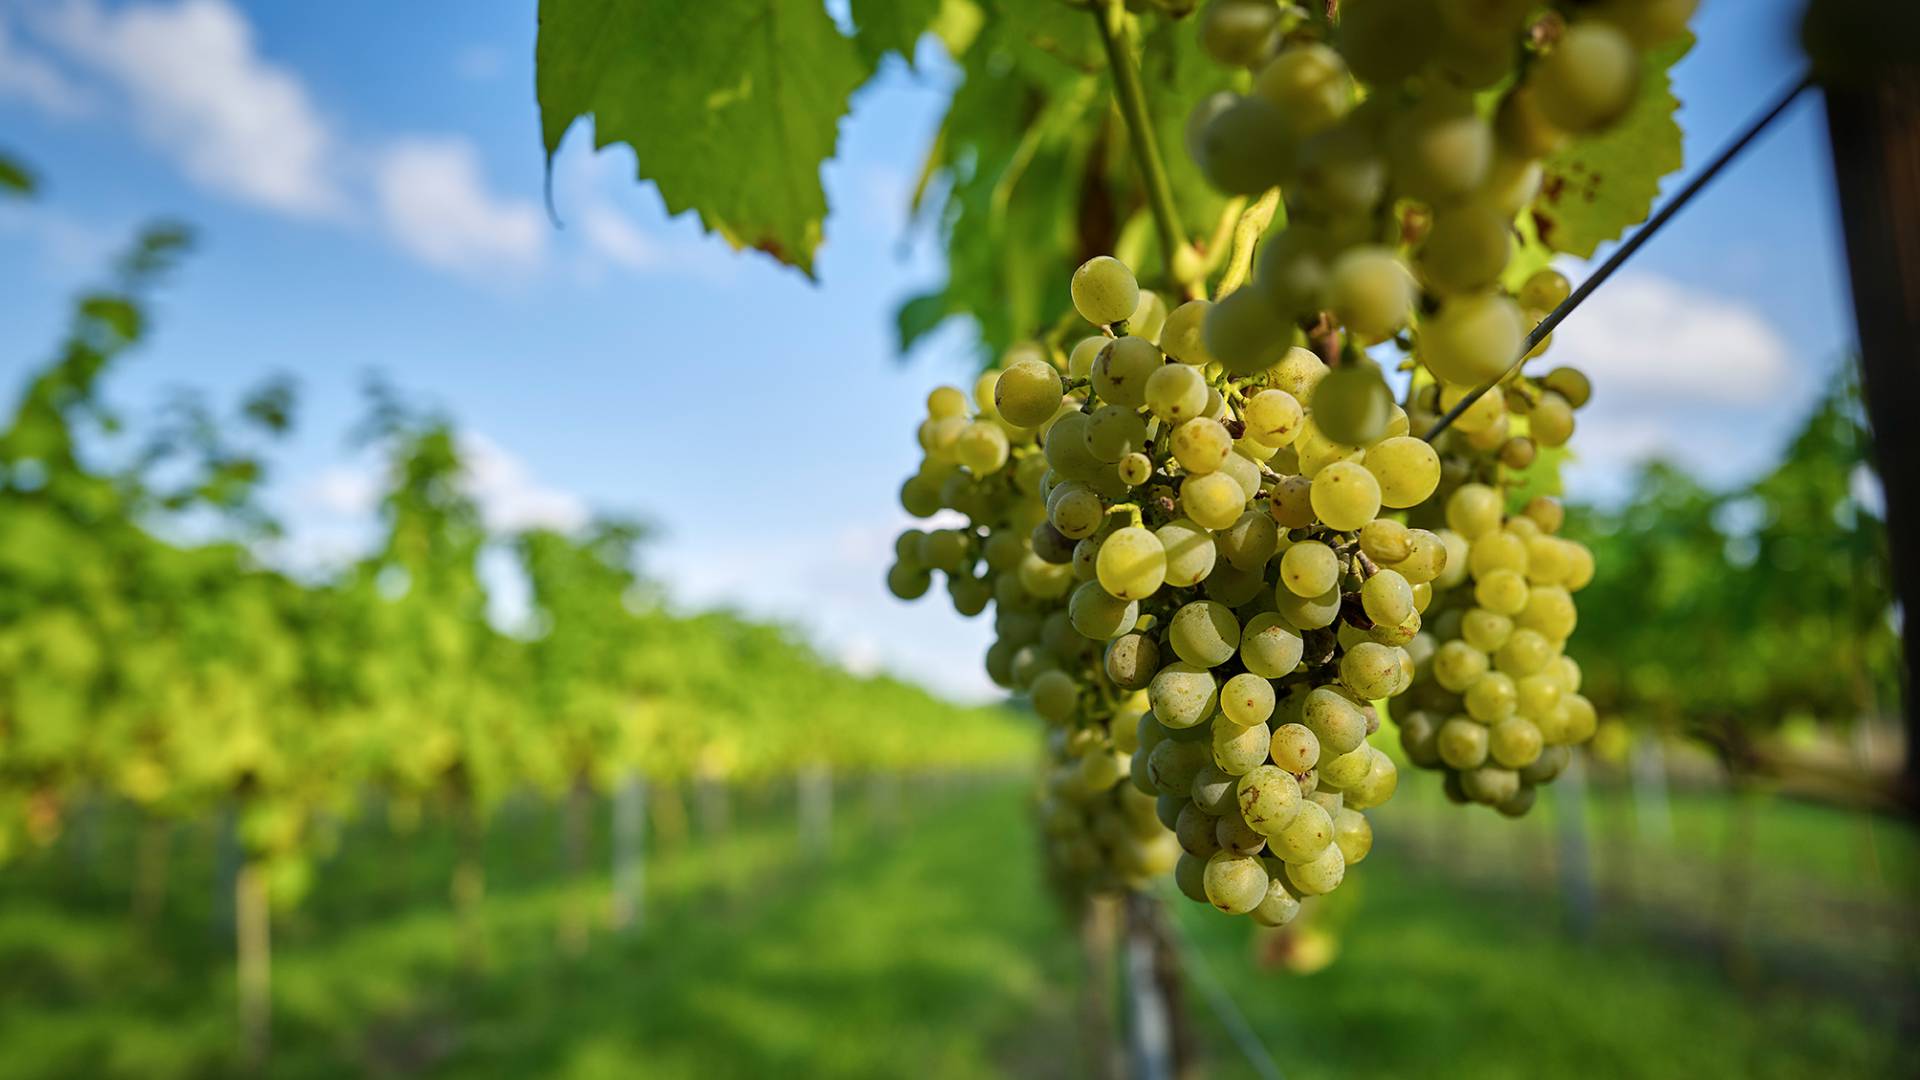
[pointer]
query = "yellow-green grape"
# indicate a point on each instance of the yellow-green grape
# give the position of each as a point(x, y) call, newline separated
point(1121, 371)
point(1134, 469)
point(1546, 513)
point(1382, 780)
point(1473, 510)
point(1201, 445)
point(1249, 542)
point(1268, 797)
point(1204, 633)
point(1043, 579)
point(1027, 394)
point(1544, 290)
point(1580, 570)
point(982, 448)
point(1345, 496)
point(1075, 511)
point(1310, 86)
point(1550, 610)
point(1371, 293)
point(1648, 22)
point(1132, 564)
point(1235, 883)
point(1352, 834)
point(1232, 586)
point(908, 581)
point(1290, 271)
point(1551, 420)
point(1176, 393)
point(1492, 697)
point(1194, 829)
point(1290, 502)
point(1566, 671)
point(1407, 470)
point(1352, 406)
point(1522, 130)
point(1581, 718)
point(1518, 452)
point(1503, 591)
point(1113, 432)
point(1294, 748)
point(1335, 719)
point(1452, 560)
point(1085, 352)
point(1473, 338)
point(1467, 248)
point(1245, 333)
point(1247, 699)
point(1028, 473)
point(1422, 595)
point(1342, 171)
point(1501, 549)
point(1148, 317)
point(1104, 290)
point(1385, 540)
point(1462, 743)
point(1236, 32)
point(1512, 184)
point(1279, 908)
point(937, 437)
point(1233, 834)
point(1485, 630)
point(1298, 372)
point(1190, 552)
point(1371, 670)
point(1098, 614)
point(1315, 450)
point(1589, 79)
point(1214, 500)
point(1269, 647)
point(1246, 148)
point(1237, 748)
point(1189, 876)
point(1182, 336)
point(1132, 660)
point(1387, 598)
point(1306, 836)
point(1349, 769)
point(1440, 149)
point(1309, 568)
point(1173, 764)
point(1385, 41)
point(1457, 665)
point(1569, 383)
point(1273, 417)
point(1549, 560)
point(1308, 612)
point(1487, 415)
point(1525, 652)
point(946, 401)
point(944, 549)
point(1539, 693)
point(1490, 785)
point(983, 394)
point(1182, 694)
point(1514, 743)
point(1055, 696)
point(1212, 791)
point(1322, 875)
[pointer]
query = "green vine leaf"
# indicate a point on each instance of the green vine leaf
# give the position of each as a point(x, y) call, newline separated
point(1598, 187)
point(884, 26)
point(16, 179)
point(730, 117)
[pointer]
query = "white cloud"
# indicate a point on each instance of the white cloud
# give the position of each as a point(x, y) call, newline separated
point(510, 497)
point(32, 78)
point(200, 90)
point(434, 200)
point(342, 490)
point(1641, 334)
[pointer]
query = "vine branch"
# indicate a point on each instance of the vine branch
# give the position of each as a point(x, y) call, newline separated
point(1110, 16)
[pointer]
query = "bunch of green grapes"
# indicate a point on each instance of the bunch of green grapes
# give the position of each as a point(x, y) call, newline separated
point(1193, 584)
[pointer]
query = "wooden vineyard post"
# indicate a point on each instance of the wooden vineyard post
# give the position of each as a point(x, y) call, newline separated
point(254, 966)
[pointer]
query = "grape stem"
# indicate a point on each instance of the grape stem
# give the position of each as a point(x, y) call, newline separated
point(1626, 250)
point(1110, 17)
point(1253, 221)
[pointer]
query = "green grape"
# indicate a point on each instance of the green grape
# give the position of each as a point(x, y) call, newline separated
point(1525, 652)
point(1571, 384)
point(1306, 836)
point(1055, 696)
point(1491, 698)
point(1290, 503)
point(944, 549)
point(1246, 333)
point(1172, 765)
point(1048, 542)
point(1183, 336)
point(1440, 150)
point(1473, 338)
point(1372, 670)
point(1213, 500)
point(1269, 647)
point(1190, 552)
point(1457, 665)
point(1539, 694)
point(1204, 633)
point(907, 581)
point(1194, 831)
point(1237, 749)
point(1385, 540)
point(1518, 452)
point(1273, 417)
point(1550, 610)
point(1113, 432)
point(1567, 670)
point(1512, 185)
point(1335, 719)
point(1075, 511)
point(1371, 293)
point(1132, 564)
point(1233, 834)
point(1247, 700)
point(946, 401)
point(1235, 883)
point(1500, 549)
point(1351, 407)
point(1485, 630)
point(1381, 781)
point(1345, 496)
point(1232, 586)
point(1028, 393)
point(1085, 352)
point(1134, 469)
point(1131, 660)
point(1247, 148)
point(1466, 249)
point(982, 448)
point(1589, 79)
point(1148, 317)
point(1308, 612)
point(1121, 371)
point(1490, 784)
point(1086, 554)
point(1294, 748)
point(1201, 445)
point(1309, 568)
point(1384, 41)
point(1182, 695)
point(941, 435)
point(1547, 514)
point(1213, 791)
point(1176, 393)
point(1522, 130)
point(1551, 421)
point(1299, 372)
point(1648, 22)
point(1268, 797)
point(1310, 86)
point(1407, 469)
point(1550, 764)
point(1189, 876)
point(1353, 835)
point(1419, 735)
point(1104, 290)
point(1502, 591)
point(1580, 570)
point(1514, 743)
point(1387, 598)
point(1322, 875)
point(1486, 416)
point(1237, 32)
point(1462, 743)
point(1544, 290)
point(1342, 172)
point(1098, 615)
point(1474, 510)
point(1043, 579)
point(1349, 769)
point(1244, 473)
point(1279, 908)
point(1290, 273)
point(1249, 542)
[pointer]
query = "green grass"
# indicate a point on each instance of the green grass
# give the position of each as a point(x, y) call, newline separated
point(927, 948)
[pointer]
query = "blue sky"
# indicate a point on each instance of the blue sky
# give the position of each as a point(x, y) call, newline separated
point(366, 178)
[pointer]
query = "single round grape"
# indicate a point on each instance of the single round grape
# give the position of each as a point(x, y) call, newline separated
point(1440, 150)
point(1352, 406)
point(1243, 472)
point(1539, 693)
point(1249, 542)
point(1132, 660)
point(1309, 568)
point(1387, 598)
point(1371, 670)
point(1299, 372)
point(1457, 665)
point(1247, 148)
point(1580, 567)
point(1204, 633)
point(1269, 797)
point(1182, 336)
point(1467, 248)
point(946, 401)
point(1349, 769)
point(1134, 469)
point(1290, 503)
point(1473, 338)
point(1132, 564)
point(1371, 292)
point(1306, 836)
point(1490, 784)
point(1098, 614)
point(1385, 540)
point(1213, 791)
point(1522, 130)
point(1352, 834)
point(1085, 563)
point(1085, 351)
point(982, 447)
point(1273, 417)
point(1201, 445)
point(1385, 41)
point(1308, 612)
point(1214, 500)
point(1075, 512)
point(1182, 695)
point(1525, 652)
point(1551, 420)
point(1104, 290)
point(1172, 765)
point(1043, 579)
point(1279, 908)
point(1247, 699)
point(1055, 696)
point(1550, 610)
point(1236, 33)
point(1589, 79)
point(1486, 415)
point(1546, 513)
point(1474, 510)
point(1233, 834)
point(1492, 698)
point(1485, 630)
point(1514, 743)
point(1294, 748)
point(1310, 86)
point(1246, 333)
point(1190, 552)
point(1189, 876)
point(1322, 875)
point(1027, 394)
point(1335, 719)
point(1381, 781)
point(1194, 830)
point(1235, 883)
point(1232, 586)
point(1112, 432)
point(1407, 469)
point(1502, 591)
point(1462, 743)
point(908, 581)
point(1176, 393)
point(1571, 384)
point(1237, 749)
point(1500, 549)
point(1345, 496)
point(1121, 371)
point(1269, 647)
point(1544, 290)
